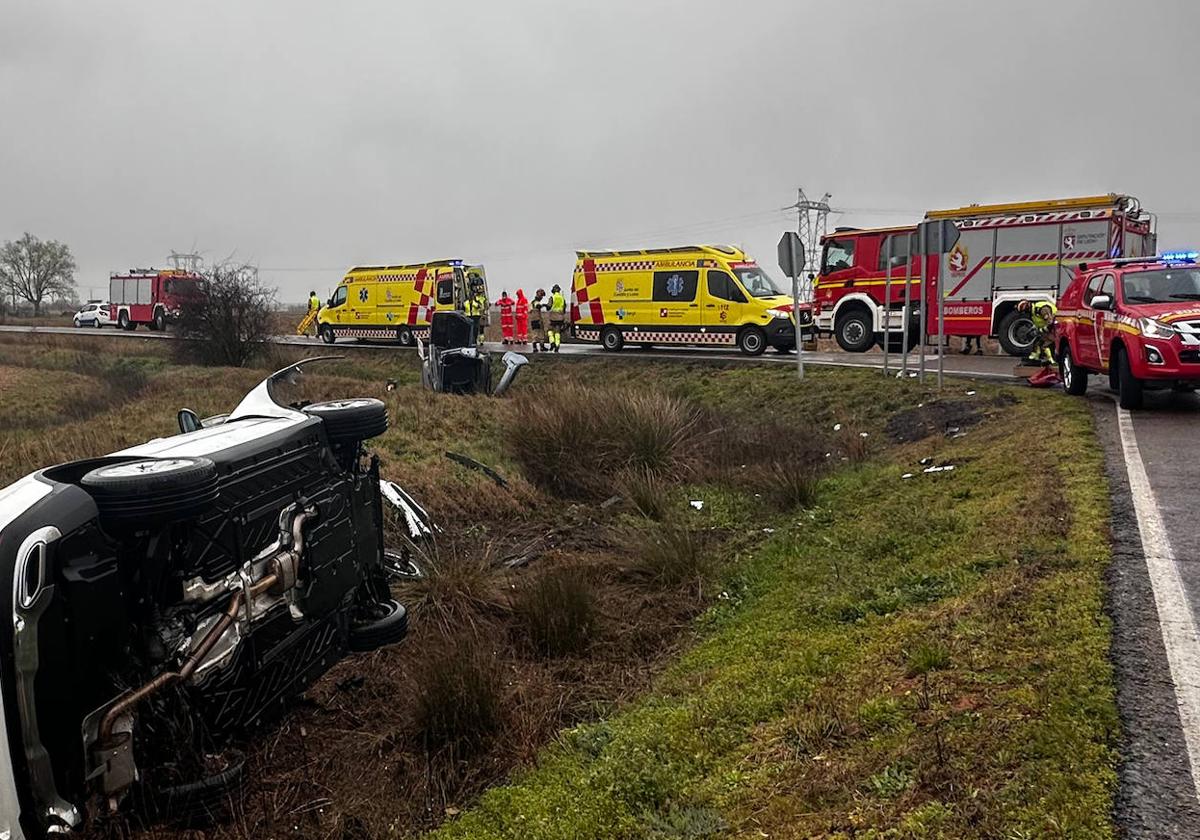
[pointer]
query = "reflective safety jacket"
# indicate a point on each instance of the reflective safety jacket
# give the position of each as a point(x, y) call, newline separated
point(1040, 321)
point(558, 303)
point(314, 302)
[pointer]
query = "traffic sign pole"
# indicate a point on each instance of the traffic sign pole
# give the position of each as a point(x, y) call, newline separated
point(887, 308)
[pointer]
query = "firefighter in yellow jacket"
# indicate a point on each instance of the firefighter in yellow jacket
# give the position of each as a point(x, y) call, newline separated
point(558, 317)
point(1042, 313)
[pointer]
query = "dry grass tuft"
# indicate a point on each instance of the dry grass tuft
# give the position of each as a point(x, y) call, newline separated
point(556, 612)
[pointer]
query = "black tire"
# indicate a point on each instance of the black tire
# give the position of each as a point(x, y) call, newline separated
point(783, 349)
point(384, 623)
point(196, 803)
point(97, 323)
point(124, 323)
point(351, 421)
point(153, 490)
point(1129, 387)
point(611, 339)
point(1017, 334)
point(895, 341)
point(405, 336)
point(326, 333)
point(854, 332)
point(752, 341)
point(159, 324)
point(1075, 378)
point(78, 324)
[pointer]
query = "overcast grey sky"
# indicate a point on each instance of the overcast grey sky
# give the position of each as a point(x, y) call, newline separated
point(308, 137)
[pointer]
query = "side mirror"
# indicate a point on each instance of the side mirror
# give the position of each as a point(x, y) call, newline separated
point(1102, 302)
point(188, 420)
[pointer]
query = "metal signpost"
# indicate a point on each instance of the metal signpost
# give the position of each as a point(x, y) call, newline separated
point(937, 239)
point(904, 328)
point(791, 261)
point(887, 307)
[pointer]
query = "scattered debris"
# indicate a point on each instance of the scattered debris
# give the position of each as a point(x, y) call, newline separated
point(768, 530)
point(837, 427)
point(907, 475)
point(926, 461)
point(391, 385)
point(863, 434)
point(698, 504)
point(609, 502)
point(970, 393)
point(471, 463)
point(953, 430)
point(937, 469)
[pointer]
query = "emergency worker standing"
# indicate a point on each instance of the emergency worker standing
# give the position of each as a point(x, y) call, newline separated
point(1042, 314)
point(537, 320)
point(314, 304)
point(522, 317)
point(558, 317)
point(507, 324)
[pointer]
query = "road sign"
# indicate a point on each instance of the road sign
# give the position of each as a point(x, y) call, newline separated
point(791, 254)
point(940, 235)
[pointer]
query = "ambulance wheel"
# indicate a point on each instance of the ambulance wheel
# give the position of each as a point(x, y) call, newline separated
point(752, 341)
point(327, 334)
point(1075, 379)
point(853, 331)
point(611, 339)
point(1129, 387)
point(1017, 334)
point(405, 337)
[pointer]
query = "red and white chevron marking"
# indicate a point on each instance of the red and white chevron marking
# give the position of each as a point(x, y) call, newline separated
point(1034, 219)
point(1077, 255)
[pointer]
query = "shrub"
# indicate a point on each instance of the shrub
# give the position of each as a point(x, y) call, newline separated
point(647, 490)
point(793, 483)
point(557, 612)
point(455, 587)
point(229, 323)
point(669, 555)
point(459, 704)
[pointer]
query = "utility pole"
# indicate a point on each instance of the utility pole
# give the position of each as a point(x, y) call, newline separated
point(812, 222)
point(186, 262)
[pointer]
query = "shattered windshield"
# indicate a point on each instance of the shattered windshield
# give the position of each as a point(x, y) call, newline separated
point(757, 282)
point(1161, 286)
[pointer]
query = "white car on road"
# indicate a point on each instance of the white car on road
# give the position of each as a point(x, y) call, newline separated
point(93, 315)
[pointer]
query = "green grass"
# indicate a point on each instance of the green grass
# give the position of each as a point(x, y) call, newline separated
point(922, 658)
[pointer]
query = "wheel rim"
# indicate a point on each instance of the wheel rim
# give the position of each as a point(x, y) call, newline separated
point(854, 331)
point(146, 467)
point(343, 405)
point(406, 337)
point(752, 341)
point(1021, 333)
point(1068, 372)
point(610, 340)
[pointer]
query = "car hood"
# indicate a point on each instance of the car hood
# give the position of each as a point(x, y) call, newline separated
point(1168, 313)
point(782, 302)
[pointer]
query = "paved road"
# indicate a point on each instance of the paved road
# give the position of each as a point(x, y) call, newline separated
point(1154, 600)
point(979, 367)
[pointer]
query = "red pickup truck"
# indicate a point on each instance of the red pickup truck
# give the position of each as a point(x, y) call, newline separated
point(1135, 319)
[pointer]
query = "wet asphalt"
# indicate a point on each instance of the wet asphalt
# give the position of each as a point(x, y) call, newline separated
point(1156, 796)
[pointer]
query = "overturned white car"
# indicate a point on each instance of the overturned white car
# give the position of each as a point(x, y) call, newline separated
point(171, 598)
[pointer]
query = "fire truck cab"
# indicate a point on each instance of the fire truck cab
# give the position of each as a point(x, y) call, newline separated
point(1005, 253)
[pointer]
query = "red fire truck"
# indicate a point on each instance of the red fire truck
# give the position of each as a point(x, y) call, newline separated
point(150, 296)
point(1005, 252)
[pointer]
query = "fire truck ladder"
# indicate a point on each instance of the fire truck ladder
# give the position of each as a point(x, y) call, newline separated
point(309, 318)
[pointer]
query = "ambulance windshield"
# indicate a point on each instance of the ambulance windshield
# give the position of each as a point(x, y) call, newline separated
point(757, 282)
point(1163, 286)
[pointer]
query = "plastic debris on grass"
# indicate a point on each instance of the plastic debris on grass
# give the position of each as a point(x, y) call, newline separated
point(697, 504)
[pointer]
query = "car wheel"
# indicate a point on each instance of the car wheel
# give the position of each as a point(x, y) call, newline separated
point(752, 341)
point(1017, 333)
point(611, 339)
point(853, 331)
point(381, 624)
point(1075, 379)
point(405, 336)
point(1129, 387)
point(327, 334)
point(153, 490)
point(78, 323)
point(351, 421)
point(97, 323)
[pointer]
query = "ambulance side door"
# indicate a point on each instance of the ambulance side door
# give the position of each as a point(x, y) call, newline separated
point(675, 292)
point(724, 302)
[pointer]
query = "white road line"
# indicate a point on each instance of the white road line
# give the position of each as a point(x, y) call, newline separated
point(1174, 616)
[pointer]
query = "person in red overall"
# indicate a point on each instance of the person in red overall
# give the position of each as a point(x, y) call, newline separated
point(507, 325)
point(522, 317)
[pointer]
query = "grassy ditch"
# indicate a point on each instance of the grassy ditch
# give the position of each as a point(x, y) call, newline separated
point(705, 604)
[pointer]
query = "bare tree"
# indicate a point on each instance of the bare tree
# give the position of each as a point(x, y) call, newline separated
point(229, 321)
point(34, 270)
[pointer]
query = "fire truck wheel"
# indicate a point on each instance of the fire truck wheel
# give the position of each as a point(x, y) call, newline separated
point(327, 334)
point(1017, 334)
point(405, 337)
point(853, 331)
point(153, 490)
point(351, 421)
point(159, 324)
point(1075, 379)
point(1129, 387)
point(611, 339)
point(123, 321)
point(752, 341)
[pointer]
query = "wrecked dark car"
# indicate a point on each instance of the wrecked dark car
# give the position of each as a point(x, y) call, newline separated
point(168, 600)
point(454, 363)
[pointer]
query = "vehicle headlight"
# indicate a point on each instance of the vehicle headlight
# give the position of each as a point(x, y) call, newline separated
point(1155, 329)
point(779, 313)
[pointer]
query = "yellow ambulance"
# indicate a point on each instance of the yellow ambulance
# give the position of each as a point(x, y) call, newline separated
point(697, 294)
point(394, 301)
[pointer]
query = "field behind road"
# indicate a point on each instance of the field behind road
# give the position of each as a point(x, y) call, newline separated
point(875, 657)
